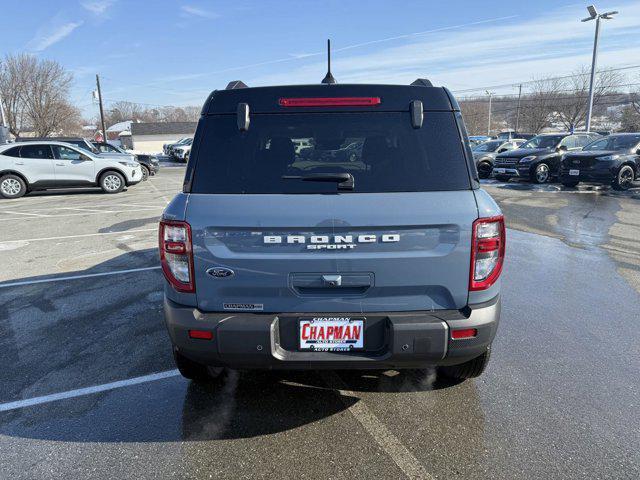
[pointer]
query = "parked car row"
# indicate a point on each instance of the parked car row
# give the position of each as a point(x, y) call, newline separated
point(566, 157)
point(179, 150)
point(149, 163)
point(47, 164)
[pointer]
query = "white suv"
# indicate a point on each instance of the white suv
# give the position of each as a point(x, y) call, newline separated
point(29, 166)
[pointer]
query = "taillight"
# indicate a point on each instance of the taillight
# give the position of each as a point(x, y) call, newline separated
point(330, 102)
point(488, 239)
point(176, 255)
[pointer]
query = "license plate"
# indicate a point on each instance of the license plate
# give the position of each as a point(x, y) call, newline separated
point(500, 170)
point(574, 172)
point(331, 334)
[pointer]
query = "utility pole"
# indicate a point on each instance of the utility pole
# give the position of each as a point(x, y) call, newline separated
point(518, 108)
point(594, 15)
point(489, 122)
point(104, 130)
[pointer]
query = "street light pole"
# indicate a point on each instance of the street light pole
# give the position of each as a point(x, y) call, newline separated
point(594, 15)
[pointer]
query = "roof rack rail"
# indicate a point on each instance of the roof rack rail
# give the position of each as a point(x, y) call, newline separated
point(422, 82)
point(236, 84)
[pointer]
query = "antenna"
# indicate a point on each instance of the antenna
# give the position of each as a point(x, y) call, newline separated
point(328, 78)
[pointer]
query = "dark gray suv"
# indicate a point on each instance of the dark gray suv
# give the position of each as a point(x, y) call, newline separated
point(280, 254)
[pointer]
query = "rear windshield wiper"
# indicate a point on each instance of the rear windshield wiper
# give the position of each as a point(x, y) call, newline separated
point(345, 180)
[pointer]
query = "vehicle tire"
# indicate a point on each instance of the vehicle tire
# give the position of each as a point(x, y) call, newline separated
point(624, 178)
point(570, 184)
point(195, 371)
point(484, 169)
point(12, 186)
point(503, 178)
point(145, 172)
point(112, 182)
point(471, 369)
point(541, 174)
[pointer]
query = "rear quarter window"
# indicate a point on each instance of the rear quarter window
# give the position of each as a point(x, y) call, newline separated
point(381, 150)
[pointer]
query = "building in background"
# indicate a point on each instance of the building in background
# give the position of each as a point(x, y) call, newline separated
point(149, 137)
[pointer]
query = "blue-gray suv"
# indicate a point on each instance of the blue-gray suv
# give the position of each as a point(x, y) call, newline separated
point(282, 253)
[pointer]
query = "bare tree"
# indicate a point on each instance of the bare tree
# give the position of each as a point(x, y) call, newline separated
point(540, 103)
point(36, 94)
point(475, 113)
point(122, 111)
point(572, 102)
point(12, 84)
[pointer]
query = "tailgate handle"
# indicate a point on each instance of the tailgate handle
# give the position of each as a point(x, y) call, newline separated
point(332, 280)
point(306, 282)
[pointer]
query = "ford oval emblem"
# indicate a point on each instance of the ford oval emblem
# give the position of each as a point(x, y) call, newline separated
point(220, 272)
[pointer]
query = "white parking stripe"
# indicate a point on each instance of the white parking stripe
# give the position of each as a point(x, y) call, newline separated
point(75, 277)
point(400, 454)
point(66, 237)
point(25, 213)
point(105, 212)
point(29, 402)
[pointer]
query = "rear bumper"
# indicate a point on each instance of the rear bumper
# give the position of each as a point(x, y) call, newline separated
point(392, 340)
point(597, 175)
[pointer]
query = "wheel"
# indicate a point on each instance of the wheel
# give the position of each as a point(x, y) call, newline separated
point(624, 178)
point(471, 369)
point(195, 371)
point(145, 172)
point(112, 182)
point(569, 183)
point(541, 174)
point(12, 186)
point(503, 178)
point(484, 169)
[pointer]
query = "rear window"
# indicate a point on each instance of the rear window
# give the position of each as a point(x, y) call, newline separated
point(381, 150)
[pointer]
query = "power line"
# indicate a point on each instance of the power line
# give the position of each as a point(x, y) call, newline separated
point(516, 84)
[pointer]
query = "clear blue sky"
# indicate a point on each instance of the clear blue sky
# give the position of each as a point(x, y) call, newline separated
point(176, 52)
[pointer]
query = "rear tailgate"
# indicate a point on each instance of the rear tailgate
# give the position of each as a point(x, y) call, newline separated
point(390, 251)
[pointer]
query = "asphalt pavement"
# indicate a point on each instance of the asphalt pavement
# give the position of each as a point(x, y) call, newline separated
point(88, 388)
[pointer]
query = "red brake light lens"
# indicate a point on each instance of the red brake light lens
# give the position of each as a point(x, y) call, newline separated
point(176, 255)
point(488, 240)
point(201, 334)
point(330, 102)
point(464, 333)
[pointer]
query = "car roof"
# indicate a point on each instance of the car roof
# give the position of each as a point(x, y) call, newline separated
point(39, 142)
point(394, 98)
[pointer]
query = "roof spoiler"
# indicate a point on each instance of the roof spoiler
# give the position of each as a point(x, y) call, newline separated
point(235, 85)
point(422, 82)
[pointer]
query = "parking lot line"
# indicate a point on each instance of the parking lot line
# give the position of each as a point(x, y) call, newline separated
point(94, 212)
point(75, 277)
point(26, 213)
point(66, 237)
point(392, 446)
point(4, 407)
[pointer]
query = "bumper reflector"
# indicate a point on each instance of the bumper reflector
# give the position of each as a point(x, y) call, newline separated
point(201, 334)
point(464, 333)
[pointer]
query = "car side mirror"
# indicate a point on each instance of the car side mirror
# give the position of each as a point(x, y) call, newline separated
point(500, 150)
point(85, 158)
point(562, 148)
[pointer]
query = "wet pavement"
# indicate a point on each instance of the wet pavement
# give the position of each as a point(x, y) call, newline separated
point(559, 399)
